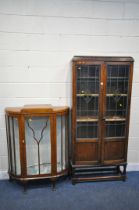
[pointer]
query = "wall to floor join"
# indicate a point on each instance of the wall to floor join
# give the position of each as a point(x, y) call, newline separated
point(38, 40)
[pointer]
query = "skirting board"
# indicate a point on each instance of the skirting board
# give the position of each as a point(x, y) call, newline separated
point(130, 167)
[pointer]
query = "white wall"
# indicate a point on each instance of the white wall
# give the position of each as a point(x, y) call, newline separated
point(38, 40)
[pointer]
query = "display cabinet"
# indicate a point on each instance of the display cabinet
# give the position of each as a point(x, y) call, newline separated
point(37, 137)
point(100, 117)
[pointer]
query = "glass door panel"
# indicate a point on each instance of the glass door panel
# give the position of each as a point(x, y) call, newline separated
point(38, 145)
point(87, 130)
point(87, 100)
point(115, 129)
point(116, 100)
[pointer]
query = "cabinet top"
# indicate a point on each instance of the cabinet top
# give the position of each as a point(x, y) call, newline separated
point(36, 109)
point(103, 58)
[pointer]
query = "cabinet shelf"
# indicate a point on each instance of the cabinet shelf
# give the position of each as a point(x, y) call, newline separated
point(96, 94)
point(45, 168)
point(125, 78)
point(113, 94)
point(87, 94)
point(95, 119)
point(115, 118)
point(88, 78)
point(87, 119)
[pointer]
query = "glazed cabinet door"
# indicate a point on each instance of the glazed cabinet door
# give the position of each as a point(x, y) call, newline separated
point(116, 111)
point(38, 145)
point(86, 113)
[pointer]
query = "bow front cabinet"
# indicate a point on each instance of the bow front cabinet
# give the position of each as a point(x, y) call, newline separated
point(37, 137)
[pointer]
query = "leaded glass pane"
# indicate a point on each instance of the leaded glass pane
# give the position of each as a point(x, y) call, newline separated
point(87, 100)
point(87, 130)
point(116, 99)
point(115, 129)
point(38, 145)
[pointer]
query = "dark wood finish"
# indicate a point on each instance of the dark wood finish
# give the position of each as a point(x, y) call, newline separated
point(128, 116)
point(73, 110)
point(8, 144)
point(27, 112)
point(104, 150)
point(84, 59)
point(92, 152)
point(22, 146)
point(114, 150)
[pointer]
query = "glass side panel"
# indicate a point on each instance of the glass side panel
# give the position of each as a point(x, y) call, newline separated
point(14, 142)
point(61, 143)
point(13, 168)
point(38, 145)
point(87, 100)
point(116, 99)
point(17, 148)
point(8, 142)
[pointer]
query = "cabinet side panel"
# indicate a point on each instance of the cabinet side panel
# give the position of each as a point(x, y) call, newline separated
point(73, 110)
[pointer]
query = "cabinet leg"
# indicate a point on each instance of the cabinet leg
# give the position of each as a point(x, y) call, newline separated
point(24, 186)
point(10, 179)
point(124, 172)
point(53, 184)
point(70, 173)
point(73, 182)
point(118, 169)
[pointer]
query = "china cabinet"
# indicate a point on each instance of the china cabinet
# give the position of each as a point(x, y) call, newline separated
point(37, 137)
point(101, 92)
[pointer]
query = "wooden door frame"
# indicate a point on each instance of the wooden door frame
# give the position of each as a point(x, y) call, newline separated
point(100, 113)
point(103, 129)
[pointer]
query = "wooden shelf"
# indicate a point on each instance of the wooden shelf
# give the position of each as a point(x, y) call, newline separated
point(113, 94)
point(88, 78)
point(86, 119)
point(115, 118)
point(87, 94)
point(96, 94)
point(117, 78)
point(95, 119)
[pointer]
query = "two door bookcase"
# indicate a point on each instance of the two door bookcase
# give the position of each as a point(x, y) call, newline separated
point(37, 137)
point(100, 117)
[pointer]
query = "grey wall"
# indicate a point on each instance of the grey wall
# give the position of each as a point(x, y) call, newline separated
point(38, 40)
